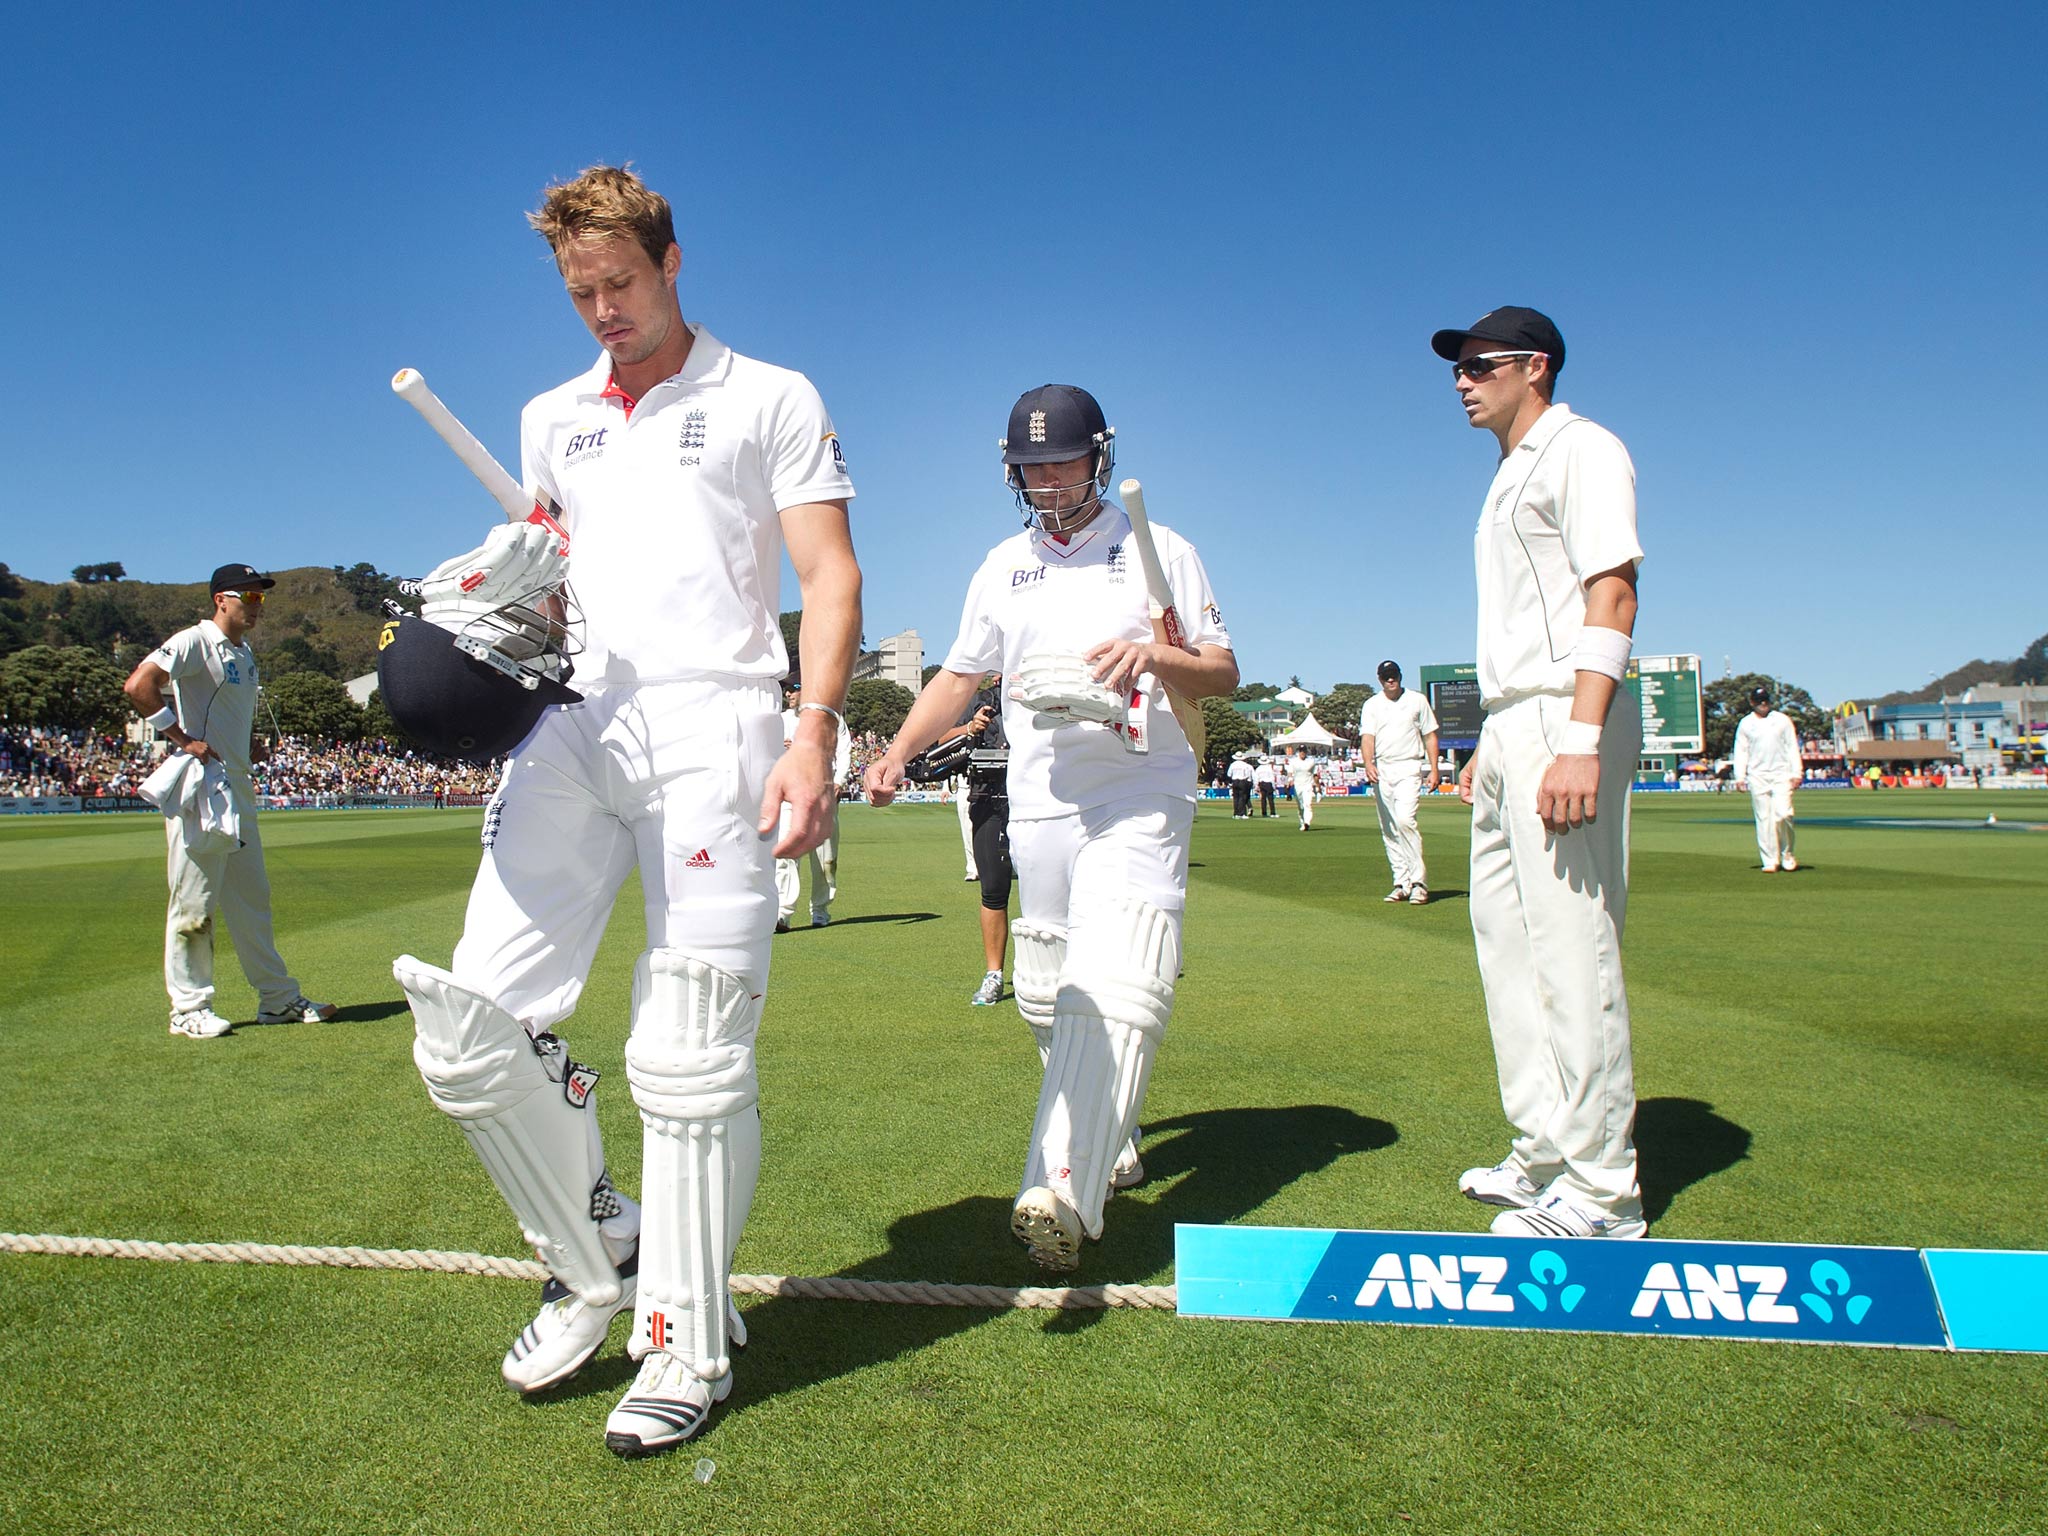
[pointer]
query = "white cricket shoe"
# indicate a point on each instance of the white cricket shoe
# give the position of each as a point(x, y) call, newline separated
point(1790, 863)
point(1504, 1184)
point(1770, 869)
point(300, 1010)
point(1129, 1171)
point(200, 1024)
point(1418, 895)
point(1397, 895)
point(1555, 1216)
point(820, 919)
point(667, 1403)
point(566, 1333)
point(1049, 1227)
point(990, 991)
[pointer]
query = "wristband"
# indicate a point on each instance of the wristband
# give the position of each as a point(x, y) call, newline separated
point(1601, 650)
point(1581, 738)
point(838, 720)
point(162, 720)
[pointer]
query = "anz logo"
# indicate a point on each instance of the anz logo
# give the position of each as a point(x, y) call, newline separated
point(1747, 1293)
point(1457, 1285)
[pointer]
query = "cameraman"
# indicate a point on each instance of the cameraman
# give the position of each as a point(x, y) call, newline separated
point(979, 746)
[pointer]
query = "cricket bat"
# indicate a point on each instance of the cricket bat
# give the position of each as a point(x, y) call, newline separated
point(1166, 623)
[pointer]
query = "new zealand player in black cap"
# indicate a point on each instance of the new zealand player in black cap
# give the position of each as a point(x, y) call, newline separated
point(216, 853)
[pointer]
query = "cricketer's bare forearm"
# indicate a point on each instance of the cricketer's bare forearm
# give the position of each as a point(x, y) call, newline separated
point(1610, 604)
point(820, 548)
point(938, 705)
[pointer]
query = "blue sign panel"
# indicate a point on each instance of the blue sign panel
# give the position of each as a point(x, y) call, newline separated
point(1792, 1291)
point(1992, 1299)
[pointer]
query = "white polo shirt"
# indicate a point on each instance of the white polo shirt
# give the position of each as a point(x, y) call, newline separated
point(1561, 509)
point(675, 542)
point(1035, 594)
point(1767, 749)
point(1303, 772)
point(213, 687)
point(1399, 728)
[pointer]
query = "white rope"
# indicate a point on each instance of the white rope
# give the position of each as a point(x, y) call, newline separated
point(919, 1293)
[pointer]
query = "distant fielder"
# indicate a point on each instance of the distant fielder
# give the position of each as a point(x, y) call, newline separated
point(1767, 765)
point(1397, 744)
point(1102, 788)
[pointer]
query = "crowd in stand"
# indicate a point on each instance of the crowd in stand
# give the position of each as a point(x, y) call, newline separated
point(38, 761)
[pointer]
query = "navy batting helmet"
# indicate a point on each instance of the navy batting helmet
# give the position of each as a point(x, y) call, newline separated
point(455, 704)
point(1055, 424)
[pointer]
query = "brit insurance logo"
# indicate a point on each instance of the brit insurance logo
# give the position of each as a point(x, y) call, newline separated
point(831, 439)
point(583, 447)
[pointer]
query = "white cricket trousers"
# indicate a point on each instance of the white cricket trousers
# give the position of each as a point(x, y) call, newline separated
point(1547, 914)
point(1397, 794)
point(668, 776)
point(232, 882)
point(824, 862)
point(1772, 802)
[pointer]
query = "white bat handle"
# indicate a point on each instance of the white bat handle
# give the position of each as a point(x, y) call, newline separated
point(412, 389)
point(1133, 494)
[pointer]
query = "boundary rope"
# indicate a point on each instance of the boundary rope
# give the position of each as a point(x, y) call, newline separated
point(920, 1293)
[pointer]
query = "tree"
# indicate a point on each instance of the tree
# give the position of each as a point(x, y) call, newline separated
point(1229, 732)
point(366, 586)
point(377, 722)
point(295, 653)
point(87, 575)
point(1725, 701)
point(1249, 693)
point(310, 705)
point(68, 687)
point(1338, 709)
point(2031, 668)
point(10, 584)
point(930, 672)
point(873, 704)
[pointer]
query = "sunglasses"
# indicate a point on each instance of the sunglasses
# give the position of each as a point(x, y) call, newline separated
point(251, 598)
point(1481, 364)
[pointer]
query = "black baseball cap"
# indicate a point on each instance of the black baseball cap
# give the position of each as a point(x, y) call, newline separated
point(1759, 695)
point(1515, 328)
point(1389, 668)
point(240, 578)
point(1052, 424)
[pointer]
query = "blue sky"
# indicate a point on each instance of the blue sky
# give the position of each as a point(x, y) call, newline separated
point(1796, 254)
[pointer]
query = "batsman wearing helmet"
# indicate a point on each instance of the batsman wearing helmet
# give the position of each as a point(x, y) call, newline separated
point(680, 472)
point(1101, 783)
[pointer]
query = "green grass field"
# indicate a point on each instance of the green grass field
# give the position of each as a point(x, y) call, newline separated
point(1852, 1054)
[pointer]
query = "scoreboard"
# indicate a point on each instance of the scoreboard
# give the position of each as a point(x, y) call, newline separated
point(1665, 688)
point(1668, 690)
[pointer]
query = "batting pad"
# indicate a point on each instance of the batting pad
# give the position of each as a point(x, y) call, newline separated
point(526, 1110)
point(1036, 979)
point(1115, 996)
point(690, 1061)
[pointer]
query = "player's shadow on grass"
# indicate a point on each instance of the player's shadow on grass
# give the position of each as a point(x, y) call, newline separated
point(871, 917)
point(1679, 1142)
point(355, 1013)
point(1214, 1166)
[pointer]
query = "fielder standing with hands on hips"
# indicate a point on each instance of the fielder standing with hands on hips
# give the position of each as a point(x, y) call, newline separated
point(680, 472)
point(1101, 783)
point(1556, 552)
point(216, 859)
